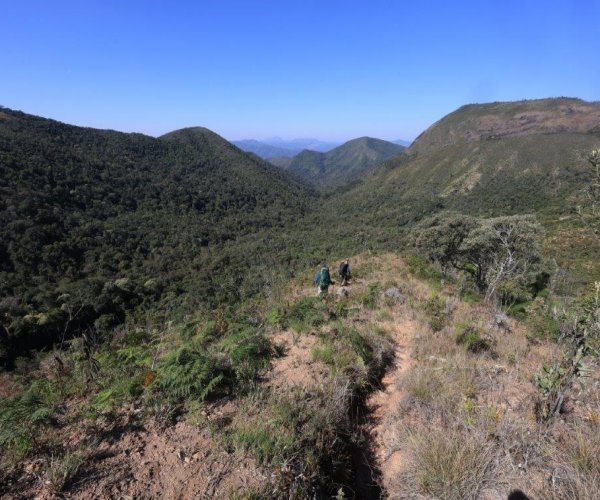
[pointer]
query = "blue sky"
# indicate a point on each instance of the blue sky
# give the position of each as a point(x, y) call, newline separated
point(253, 69)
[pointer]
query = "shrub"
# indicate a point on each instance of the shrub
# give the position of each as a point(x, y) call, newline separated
point(472, 338)
point(369, 298)
point(23, 419)
point(189, 372)
point(435, 307)
point(276, 317)
point(308, 313)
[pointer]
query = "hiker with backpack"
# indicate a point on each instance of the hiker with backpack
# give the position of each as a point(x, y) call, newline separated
point(318, 281)
point(323, 280)
point(344, 272)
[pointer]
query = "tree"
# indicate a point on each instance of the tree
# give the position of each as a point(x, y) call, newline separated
point(503, 250)
point(501, 254)
point(440, 238)
point(589, 211)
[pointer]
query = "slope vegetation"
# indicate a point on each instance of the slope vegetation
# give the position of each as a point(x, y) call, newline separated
point(109, 221)
point(546, 174)
point(401, 388)
point(474, 122)
point(341, 165)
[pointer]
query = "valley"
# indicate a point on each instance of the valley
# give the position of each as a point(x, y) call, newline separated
point(161, 335)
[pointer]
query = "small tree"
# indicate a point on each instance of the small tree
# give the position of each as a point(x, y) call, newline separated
point(496, 252)
point(502, 250)
point(440, 238)
point(590, 210)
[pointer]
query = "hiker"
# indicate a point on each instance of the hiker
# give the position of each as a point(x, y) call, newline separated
point(345, 272)
point(318, 281)
point(324, 280)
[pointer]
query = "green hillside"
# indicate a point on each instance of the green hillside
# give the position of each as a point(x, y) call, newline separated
point(111, 221)
point(341, 165)
point(474, 122)
point(542, 174)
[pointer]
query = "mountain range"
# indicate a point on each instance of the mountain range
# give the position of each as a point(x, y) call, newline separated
point(159, 333)
point(341, 165)
point(190, 212)
point(277, 147)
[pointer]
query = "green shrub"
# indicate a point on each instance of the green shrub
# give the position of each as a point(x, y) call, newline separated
point(435, 307)
point(276, 317)
point(189, 372)
point(248, 350)
point(369, 298)
point(23, 420)
point(421, 268)
point(472, 338)
point(307, 313)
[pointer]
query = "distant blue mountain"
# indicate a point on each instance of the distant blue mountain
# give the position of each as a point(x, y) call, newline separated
point(402, 143)
point(276, 147)
point(263, 150)
point(301, 144)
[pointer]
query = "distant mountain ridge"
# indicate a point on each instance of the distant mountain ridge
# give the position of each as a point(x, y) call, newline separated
point(474, 122)
point(261, 149)
point(277, 147)
point(340, 165)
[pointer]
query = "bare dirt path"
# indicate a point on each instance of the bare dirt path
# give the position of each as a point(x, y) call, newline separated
point(383, 403)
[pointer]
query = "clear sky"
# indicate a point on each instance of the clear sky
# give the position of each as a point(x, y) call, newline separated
point(333, 70)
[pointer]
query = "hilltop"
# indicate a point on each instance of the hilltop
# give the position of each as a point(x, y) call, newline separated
point(341, 165)
point(86, 209)
point(475, 122)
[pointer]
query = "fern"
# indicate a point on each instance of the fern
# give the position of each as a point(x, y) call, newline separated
point(23, 417)
point(189, 371)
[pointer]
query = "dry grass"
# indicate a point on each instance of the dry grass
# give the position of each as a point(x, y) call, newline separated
point(465, 426)
point(62, 469)
point(460, 422)
point(450, 463)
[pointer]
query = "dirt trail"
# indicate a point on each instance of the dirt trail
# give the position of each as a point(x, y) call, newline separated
point(384, 402)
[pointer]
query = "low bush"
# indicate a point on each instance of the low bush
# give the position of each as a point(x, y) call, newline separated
point(472, 338)
point(435, 308)
point(308, 313)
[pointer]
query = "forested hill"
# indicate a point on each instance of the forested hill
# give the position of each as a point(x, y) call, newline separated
point(474, 122)
point(82, 209)
point(341, 165)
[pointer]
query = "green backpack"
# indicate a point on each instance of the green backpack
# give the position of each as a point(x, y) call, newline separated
point(325, 279)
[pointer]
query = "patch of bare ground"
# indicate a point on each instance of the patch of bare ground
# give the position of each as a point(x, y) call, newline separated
point(124, 459)
point(295, 368)
point(179, 462)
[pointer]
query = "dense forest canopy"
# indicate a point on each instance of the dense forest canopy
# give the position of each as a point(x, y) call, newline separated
point(82, 208)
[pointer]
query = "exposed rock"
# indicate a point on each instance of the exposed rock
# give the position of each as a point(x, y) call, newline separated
point(341, 292)
point(395, 294)
point(501, 320)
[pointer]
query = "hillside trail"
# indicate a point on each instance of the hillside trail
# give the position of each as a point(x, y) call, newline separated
point(384, 402)
point(399, 320)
